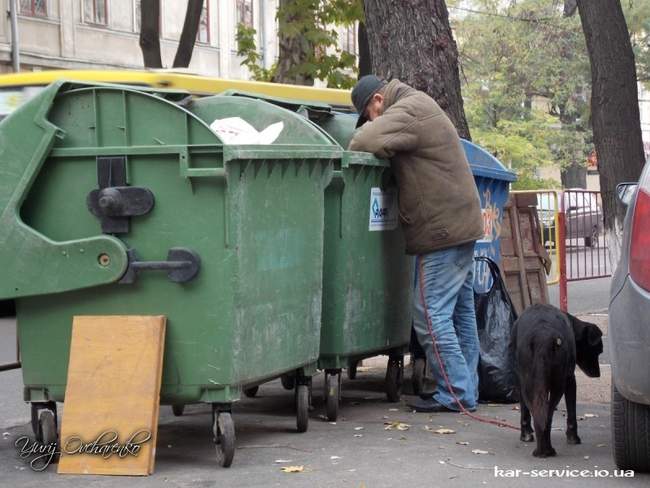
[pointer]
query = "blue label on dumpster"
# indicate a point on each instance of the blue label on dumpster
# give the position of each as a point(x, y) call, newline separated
point(383, 210)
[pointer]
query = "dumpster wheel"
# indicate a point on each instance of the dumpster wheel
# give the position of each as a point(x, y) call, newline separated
point(47, 427)
point(332, 394)
point(417, 376)
point(394, 376)
point(288, 381)
point(302, 407)
point(252, 391)
point(177, 409)
point(224, 438)
point(352, 370)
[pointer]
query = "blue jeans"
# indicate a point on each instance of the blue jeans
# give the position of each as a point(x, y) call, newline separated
point(445, 322)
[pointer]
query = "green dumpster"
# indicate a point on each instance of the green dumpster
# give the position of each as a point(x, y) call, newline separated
point(367, 278)
point(117, 201)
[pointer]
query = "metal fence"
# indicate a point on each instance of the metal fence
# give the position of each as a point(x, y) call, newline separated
point(572, 232)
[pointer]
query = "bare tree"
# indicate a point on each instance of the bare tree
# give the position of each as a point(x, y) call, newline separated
point(150, 33)
point(614, 107)
point(413, 41)
point(188, 36)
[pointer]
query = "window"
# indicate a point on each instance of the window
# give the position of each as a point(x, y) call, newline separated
point(349, 39)
point(245, 12)
point(95, 12)
point(33, 8)
point(203, 34)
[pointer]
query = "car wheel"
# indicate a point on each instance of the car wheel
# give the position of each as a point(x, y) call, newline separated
point(630, 433)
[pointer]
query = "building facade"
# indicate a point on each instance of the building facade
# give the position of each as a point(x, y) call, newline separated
point(104, 34)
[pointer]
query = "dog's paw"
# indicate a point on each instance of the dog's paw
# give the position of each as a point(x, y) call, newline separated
point(527, 437)
point(544, 453)
point(573, 439)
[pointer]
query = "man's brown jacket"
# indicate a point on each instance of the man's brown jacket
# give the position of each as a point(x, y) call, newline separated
point(438, 201)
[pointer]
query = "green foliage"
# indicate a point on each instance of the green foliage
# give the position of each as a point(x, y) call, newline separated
point(527, 82)
point(310, 23)
point(252, 59)
point(637, 16)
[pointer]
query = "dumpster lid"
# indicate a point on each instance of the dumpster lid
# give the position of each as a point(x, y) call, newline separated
point(484, 164)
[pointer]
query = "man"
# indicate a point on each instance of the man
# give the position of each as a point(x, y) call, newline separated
point(440, 214)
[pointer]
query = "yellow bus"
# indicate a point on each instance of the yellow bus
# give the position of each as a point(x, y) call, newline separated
point(17, 88)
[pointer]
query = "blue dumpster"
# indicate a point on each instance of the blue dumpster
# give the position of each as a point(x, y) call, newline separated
point(493, 182)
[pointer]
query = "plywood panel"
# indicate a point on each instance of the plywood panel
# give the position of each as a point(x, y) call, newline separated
point(113, 386)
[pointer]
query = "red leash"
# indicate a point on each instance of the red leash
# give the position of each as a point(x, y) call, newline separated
point(498, 423)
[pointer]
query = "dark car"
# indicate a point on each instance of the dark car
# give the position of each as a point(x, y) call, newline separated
point(629, 332)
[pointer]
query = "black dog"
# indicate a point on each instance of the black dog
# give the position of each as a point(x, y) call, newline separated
point(547, 344)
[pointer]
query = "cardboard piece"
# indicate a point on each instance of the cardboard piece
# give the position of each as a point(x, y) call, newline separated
point(113, 391)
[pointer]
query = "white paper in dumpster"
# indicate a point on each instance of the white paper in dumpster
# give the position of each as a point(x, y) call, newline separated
point(235, 130)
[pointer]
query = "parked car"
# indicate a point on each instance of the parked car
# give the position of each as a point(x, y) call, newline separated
point(583, 216)
point(629, 331)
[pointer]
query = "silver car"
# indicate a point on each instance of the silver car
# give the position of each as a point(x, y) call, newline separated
point(629, 332)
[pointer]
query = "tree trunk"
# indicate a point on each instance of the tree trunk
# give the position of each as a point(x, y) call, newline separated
point(575, 176)
point(295, 49)
point(150, 33)
point(614, 107)
point(412, 40)
point(188, 36)
point(365, 62)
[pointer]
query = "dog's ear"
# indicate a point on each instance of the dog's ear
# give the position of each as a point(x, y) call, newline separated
point(594, 334)
point(585, 332)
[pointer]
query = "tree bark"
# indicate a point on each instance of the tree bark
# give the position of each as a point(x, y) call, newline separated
point(575, 176)
point(412, 40)
point(150, 33)
point(188, 36)
point(365, 62)
point(614, 107)
point(294, 50)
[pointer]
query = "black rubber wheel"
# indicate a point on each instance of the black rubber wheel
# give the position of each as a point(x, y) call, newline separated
point(252, 391)
point(302, 408)
point(417, 375)
point(47, 427)
point(177, 409)
point(288, 381)
point(332, 395)
point(352, 370)
point(224, 438)
point(394, 377)
point(630, 433)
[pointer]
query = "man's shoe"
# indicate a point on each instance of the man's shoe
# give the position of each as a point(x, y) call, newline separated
point(428, 405)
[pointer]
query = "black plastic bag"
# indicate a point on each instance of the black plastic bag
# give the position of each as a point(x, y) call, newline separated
point(495, 316)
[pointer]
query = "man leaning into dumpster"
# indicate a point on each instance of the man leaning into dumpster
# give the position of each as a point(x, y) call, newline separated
point(440, 214)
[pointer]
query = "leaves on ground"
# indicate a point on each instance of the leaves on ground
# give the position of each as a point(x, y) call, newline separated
point(479, 451)
point(292, 469)
point(396, 425)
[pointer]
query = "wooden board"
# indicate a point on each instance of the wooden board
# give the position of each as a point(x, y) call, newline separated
point(114, 376)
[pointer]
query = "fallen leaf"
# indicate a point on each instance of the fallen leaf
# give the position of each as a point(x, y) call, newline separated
point(479, 451)
point(358, 428)
point(441, 462)
point(358, 435)
point(396, 425)
point(444, 431)
point(515, 407)
point(332, 423)
point(336, 457)
point(601, 445)
point(292, 469)
point(283, 461)
point(590, 415)
point(586, 457)
point(393, 410)
point(463, 443)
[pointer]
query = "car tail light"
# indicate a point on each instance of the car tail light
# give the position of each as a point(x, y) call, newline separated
point(640, 240)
